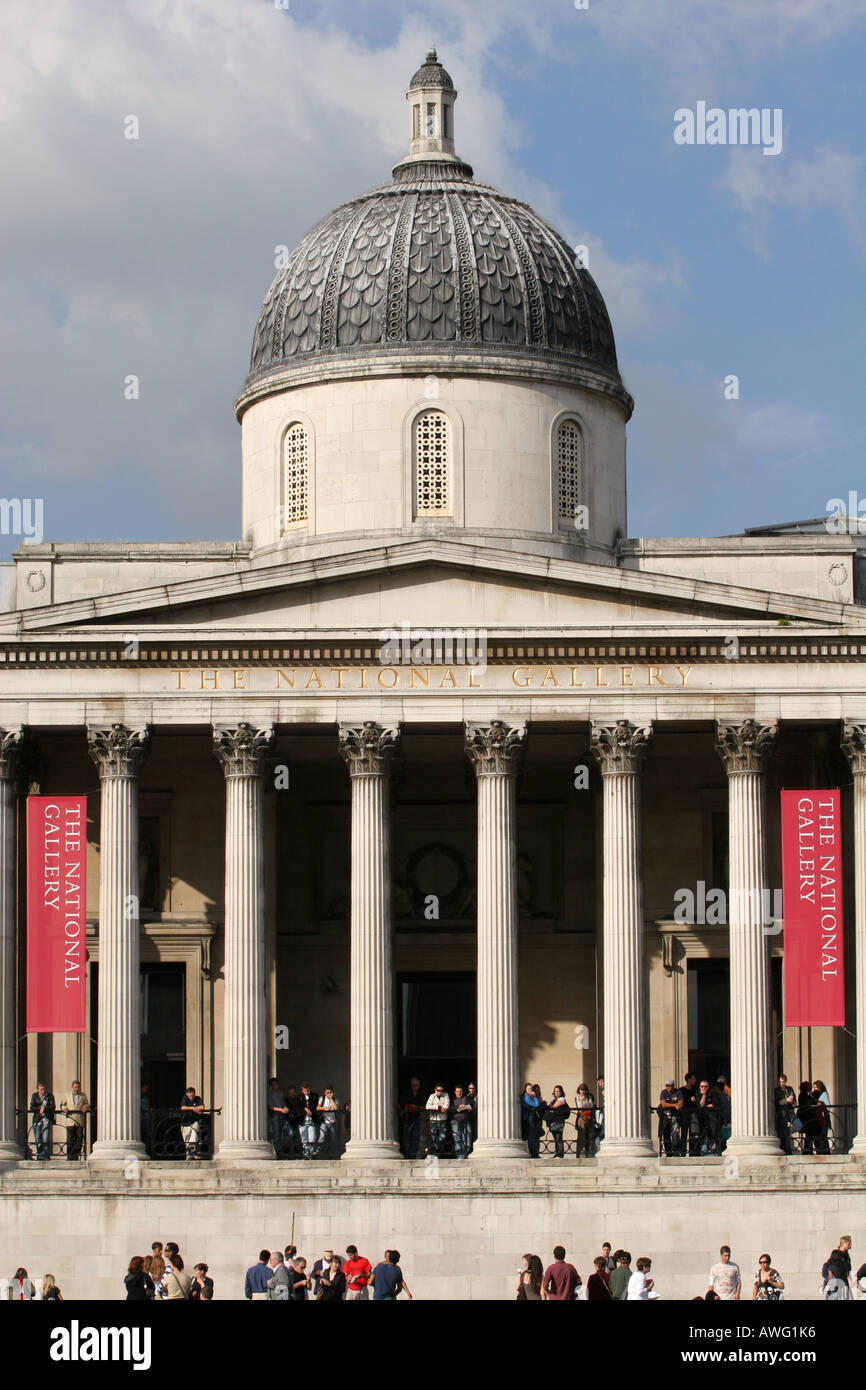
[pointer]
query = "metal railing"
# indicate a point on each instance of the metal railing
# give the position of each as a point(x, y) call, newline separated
point(164, 1140)
point(57, 1147)
point(697, 1134)
point(315, 1140)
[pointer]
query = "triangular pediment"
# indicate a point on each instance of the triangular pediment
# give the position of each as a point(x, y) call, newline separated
point(426, 583)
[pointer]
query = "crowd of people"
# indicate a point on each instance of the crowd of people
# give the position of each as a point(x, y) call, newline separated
point(613, 1278)
point(695, 1118)
point(161, 1276)
point(284, 1276)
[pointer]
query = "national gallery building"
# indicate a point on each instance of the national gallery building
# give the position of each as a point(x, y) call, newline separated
point(433, 773)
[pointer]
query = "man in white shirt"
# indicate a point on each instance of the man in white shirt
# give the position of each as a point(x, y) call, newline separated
point(639, 1285)
point(437, 1107)
point(725, 1277)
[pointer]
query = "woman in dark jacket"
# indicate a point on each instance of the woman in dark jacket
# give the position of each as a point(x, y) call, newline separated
point(139, 1286)
point(200, 1282)
point(334, 1286)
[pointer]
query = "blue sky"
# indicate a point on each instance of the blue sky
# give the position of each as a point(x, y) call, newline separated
point(152, 257)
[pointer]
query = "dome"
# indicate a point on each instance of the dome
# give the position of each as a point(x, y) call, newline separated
point(433, 265)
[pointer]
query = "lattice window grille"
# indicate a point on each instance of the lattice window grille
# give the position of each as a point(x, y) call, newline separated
point(432, 464)
point(295, 504)
point(416, 122)
point(431, 120)
point(569, 464)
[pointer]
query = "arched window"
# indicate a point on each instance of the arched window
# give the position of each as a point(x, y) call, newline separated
point(569, 469)
point(432, 451)
point(295, 475)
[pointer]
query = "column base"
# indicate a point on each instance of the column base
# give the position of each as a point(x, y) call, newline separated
point(624, 1149)
point(235, 1153)
point(753, 1146)
point(10, 1152)
point(858, 1148)
point(114, 1153)
point(371, 1151)
point(486, 1149)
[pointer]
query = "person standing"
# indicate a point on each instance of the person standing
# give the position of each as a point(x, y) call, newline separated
point(472, 1097)
point(529, 1117)
point(768, 1283)
point(307, 1105)
point(191, 1111)
point(139, 1285)
point(724, 1091)
point(327, 1110)
point(640, 1285)
point(300, 1281)
point(619, 1280)
point(557, 1113)
point(42, 1108)
point(599, 1112)
point(278, 1112)
point(821, 1101)
point(280, 1282)
point(709, 1118)
point(411, 1108)
point(838, 1270)
point(785, 1101)
point(585, 1108)
point(598, 1284)
point(358, 1272)
point(609, 1259)
point(725, 1277)
point(530, 1282)
point(256, 1281)
point(561, 1280)
point(461, 1111)
point(21, 1289)
point(690, 1125)
point(388, 1281)
point(292, 1126)
point(332, 1288)
point(75, 1106)
point(202, 1285)
point(176, 1282)
point(50, 1292)
point(437, 1107)
point(668, 1113)
point(320, 1269)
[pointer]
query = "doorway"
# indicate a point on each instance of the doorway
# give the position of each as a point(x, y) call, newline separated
point(709, 1006)
point(163, 1033)
point(437, 1038)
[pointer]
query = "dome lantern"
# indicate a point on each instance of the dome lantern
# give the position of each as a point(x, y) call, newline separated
point(431, 97)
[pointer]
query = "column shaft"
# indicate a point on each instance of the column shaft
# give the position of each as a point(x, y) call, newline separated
point(367, 751)
point(10, 742)
point(495, 750)
point(118, 752)
point(744, 748)
point(242, 752)
point(619, 750)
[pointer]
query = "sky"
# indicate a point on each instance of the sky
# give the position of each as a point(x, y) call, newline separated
point(150, 257)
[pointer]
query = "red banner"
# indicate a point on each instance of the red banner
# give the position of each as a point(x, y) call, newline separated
point(56, 913)
point(812, 898)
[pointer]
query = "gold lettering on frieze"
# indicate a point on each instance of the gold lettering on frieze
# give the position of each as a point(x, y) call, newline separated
point(405, 678)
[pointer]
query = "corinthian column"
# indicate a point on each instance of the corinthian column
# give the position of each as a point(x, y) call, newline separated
point(367, 750)
point(118, 753)
point(744, 749)
point(243, 751)
point(619, 751)
point(494, 751)
point(854, 748)
point(10, 747)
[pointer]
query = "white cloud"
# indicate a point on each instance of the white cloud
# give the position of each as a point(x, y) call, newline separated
point(831, 179)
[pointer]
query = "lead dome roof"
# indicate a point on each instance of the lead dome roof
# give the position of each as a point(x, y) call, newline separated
point(434, 262)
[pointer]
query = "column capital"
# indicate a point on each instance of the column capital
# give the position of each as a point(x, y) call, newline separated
point(11, 741)
point(745, 747)
point(118, 751)
point(495, 749)
point(367, 748)
point(620, 747)
point(242, 749)
point(854, 745)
